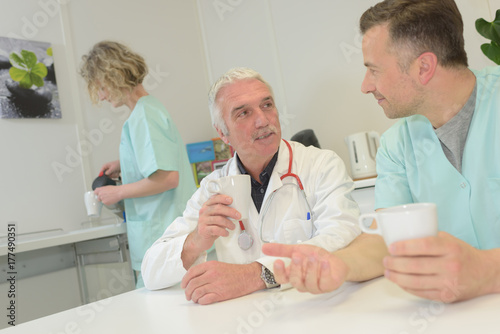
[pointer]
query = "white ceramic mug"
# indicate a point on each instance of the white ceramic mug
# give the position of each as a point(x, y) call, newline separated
point(409, 221)
point(238, 187)
point(93, 205)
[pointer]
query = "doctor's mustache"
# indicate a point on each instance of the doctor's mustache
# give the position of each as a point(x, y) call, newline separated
point(264, 132)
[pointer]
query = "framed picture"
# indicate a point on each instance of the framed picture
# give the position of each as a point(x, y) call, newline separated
point(207, 156)
point(28, 87)
point(218, 164)
point(201, 170)
point(201, 151)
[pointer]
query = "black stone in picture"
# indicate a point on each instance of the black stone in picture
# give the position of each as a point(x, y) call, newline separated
point(28, 86)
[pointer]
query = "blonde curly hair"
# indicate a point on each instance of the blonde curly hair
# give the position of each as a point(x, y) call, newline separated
point(113, 66)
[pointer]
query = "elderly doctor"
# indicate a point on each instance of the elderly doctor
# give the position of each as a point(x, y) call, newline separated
point(245, 116)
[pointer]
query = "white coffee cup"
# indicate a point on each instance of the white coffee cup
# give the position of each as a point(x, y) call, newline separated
point(93, 205)
point(403, 222)
point(238, 187)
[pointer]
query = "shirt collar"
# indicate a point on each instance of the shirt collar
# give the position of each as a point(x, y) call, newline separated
point(265, 175)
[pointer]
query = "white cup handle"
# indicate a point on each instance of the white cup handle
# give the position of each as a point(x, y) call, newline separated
point(366, 229)
point(213, 187)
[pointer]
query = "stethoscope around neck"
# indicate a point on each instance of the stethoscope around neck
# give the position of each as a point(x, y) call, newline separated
point(299, 186)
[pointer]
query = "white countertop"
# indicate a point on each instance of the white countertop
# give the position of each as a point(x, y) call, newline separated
point(376, 306)
point(35, 241)
point(365, 183)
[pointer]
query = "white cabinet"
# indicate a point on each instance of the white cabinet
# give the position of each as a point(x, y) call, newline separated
point(66, 269)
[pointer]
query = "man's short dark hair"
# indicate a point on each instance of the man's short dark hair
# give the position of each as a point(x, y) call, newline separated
point(418, 26)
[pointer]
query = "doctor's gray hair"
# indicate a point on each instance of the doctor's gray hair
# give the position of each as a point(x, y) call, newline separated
point(231, 76)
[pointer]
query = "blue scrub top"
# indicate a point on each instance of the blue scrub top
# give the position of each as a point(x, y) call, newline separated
point(412, 167)
point(150, 141)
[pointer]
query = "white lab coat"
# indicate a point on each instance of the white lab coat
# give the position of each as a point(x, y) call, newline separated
point(327, 187)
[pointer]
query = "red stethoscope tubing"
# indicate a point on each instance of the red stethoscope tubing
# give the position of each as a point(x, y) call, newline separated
point(242, 227)
point(289, 173)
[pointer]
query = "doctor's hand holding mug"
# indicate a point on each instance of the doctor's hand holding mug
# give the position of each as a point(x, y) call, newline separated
point(226, 207)
point(292, 200)
point(435, 153)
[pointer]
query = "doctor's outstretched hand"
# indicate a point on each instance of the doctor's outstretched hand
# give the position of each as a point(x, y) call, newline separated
point(312, 269)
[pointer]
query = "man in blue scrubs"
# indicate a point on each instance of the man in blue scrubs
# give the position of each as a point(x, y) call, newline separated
point(444, 149)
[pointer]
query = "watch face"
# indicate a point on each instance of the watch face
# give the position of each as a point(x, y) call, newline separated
point(245, 240)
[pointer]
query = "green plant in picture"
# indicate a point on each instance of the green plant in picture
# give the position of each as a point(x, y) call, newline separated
point(491, 31)
point(26, 69)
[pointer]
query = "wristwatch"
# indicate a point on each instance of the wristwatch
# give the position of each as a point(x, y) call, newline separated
point(268, 278)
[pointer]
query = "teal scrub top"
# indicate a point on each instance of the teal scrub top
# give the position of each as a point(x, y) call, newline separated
point(412, 167)
point(150, 141)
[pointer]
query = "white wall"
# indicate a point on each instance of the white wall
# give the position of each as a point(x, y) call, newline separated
point(31, 193)
point(167, 34)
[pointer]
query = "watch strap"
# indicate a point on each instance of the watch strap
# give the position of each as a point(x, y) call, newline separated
point(268, 277)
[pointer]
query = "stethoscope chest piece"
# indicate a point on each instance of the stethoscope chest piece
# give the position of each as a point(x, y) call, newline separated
point(245, 240)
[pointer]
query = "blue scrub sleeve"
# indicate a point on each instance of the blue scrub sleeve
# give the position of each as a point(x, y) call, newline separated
point(391, 186)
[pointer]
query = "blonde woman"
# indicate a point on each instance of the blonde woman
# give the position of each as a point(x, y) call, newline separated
point(156, 176)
